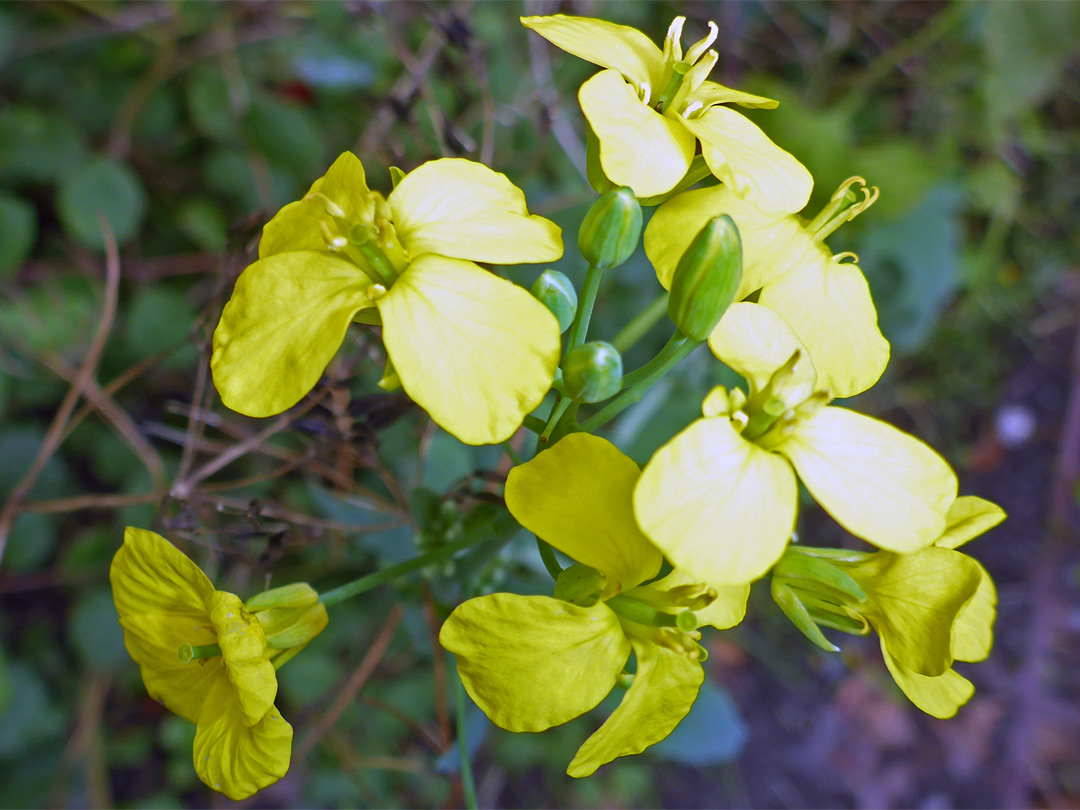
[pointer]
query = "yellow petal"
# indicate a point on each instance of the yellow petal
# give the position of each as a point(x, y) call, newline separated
point(772, 244)
point(711, 93)
point(533, 662)
point(828, 304)
point(286, 319)
point(912, 601)
point(151, 575)
point(938, 695)
point(969, 517)
point(475, 351)
point(463, 209)
point(233, 757)
point(639, 147)
point(717, 505)
point(243, 649)
point(973, 632)
point(878, 482)
point(665, 686)
point(727, 610)
point(743, 158)
point(577, 496)
point(296, 226)
point(754, 341)
point(606, 44)
point(153, 640)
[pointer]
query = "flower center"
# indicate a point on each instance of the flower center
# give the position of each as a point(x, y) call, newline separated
point(843, 206)
point(370, 242)
point(683, 74)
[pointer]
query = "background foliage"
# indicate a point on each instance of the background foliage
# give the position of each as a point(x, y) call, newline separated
point(187, 124)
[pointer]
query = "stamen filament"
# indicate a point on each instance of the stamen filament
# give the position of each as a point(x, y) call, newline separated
point(190, 652)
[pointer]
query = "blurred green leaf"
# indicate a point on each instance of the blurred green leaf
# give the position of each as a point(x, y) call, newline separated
point(37, 147)
point(101, 186)
point(32, 540)
point(712, 733)
point(287, 135)
point(901, 169)
point(19, 445)
point(18, 231)
point(304, 679)
point(159, 318)
point(31, 719)
point(58, 315)
point(94, 630)
point(209, 105)
point(5, 683)
point(203, 222)
point(447, 461)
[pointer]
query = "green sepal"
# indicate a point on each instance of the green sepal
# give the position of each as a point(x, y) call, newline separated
point(611, 229)
point(579, 585)
point(593, 170)
point(814, 571)
point(396, 175)
point(796, 611)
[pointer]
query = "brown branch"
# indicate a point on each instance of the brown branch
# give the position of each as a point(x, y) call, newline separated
point(353, 686)
point(55, 435)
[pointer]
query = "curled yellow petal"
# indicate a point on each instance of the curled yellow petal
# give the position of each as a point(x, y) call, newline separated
point(754, 341)
point(639, 147)
point(973, 632)
point(533, 662)
point(243, 650)
point(577, 496)
point(740, 155)
point(717, 505)
point(464, 210)
point(878, 482)
point(726, 611)
point(967, 518)
point(285, 321)
point(940, 696)
point(475, 351)
point(234, 757)
point(665, 687)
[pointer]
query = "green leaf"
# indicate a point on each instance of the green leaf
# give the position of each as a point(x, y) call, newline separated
point(287, 135)
point(32, 540)
point(30, 720)
point(209, 105)
point(58, 315)
point(36, 147)
point(203, 222)
point(101, 186)
point(159, 318)
point(18, 231)
point(94, 629)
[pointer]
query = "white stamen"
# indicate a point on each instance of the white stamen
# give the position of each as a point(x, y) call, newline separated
point(673, 41)
point(646, 93)
point(702, 45)
point(691, 108)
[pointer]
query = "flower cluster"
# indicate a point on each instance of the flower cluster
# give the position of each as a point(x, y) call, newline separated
point(657, 553)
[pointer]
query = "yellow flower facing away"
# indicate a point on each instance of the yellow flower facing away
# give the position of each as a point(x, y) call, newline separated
point(930, 608)
point(475, 351)
point(719, 499)
point(649, 109)
point(211, 658)
point(824, 298)
point(533, 662)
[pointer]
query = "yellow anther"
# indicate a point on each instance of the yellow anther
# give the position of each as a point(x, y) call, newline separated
point(333, 242)
point(376, 291)
point(332, 208)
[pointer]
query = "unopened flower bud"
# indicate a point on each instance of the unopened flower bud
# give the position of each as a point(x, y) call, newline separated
point(554, 291)
point(592, 372)
point(706, 279)
point(291, 615)
point(610, 231)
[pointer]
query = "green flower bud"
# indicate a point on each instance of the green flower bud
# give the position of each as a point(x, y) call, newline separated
point(592, 372)
point(610, 231)
point(291, 615)
point(555, 292)
point(706, 279)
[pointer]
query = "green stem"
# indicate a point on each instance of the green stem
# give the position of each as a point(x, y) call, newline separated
point(580, 327)
point(641, 324)
point(189, 652)
point(515, 457)
point(561, 404)
point(671, 355)
point(547, 555)
point(366, 583)
point(533, 423)
point(640, 612)
point(468, 784)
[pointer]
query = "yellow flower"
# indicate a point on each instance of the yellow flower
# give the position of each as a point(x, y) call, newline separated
point(533, 662)
point(475, 351)
point(650, 108)
point(824, 298)
point(720, 498)
point(170, 612)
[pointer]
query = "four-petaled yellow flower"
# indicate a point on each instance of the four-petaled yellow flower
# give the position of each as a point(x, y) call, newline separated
point(650, 108)
point(720, 498)
point(824, 298)
point(533, 662)
point(211, 659)
point(475, 351)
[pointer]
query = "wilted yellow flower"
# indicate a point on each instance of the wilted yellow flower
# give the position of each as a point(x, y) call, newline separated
point(824, 298)
point(533, 662)
point(650, 108)
point(720, 498)
point(211, 659)
point(475, 351)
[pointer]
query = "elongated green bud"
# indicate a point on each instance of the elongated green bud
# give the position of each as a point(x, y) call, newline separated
point(706, 279)
point(610, 232)
point(554, 291)
point(592, 372)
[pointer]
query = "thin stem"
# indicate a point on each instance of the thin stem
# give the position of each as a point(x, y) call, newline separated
point(547, 555)
point(561, 404)
point(468, 785)
point(533, 423)
point(580, 327)
point(676, 349)
point(641, 324)
point(366, 583)
point(515, 457)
